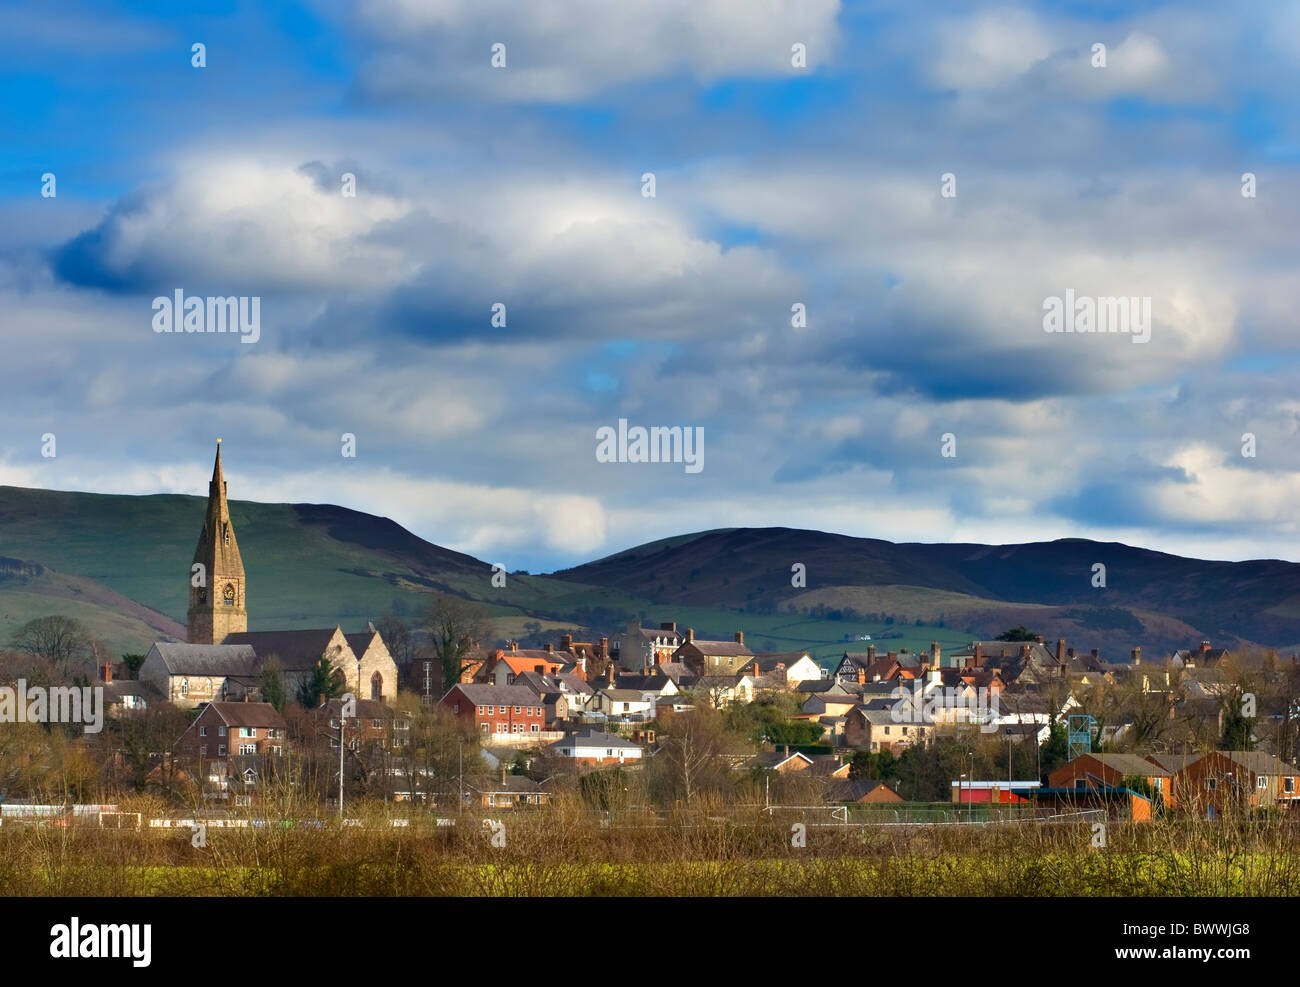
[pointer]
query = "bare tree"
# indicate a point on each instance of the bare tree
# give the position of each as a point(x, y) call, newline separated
point(456, 625)
point(61, 641)
point(695, 756)
point(397, 638)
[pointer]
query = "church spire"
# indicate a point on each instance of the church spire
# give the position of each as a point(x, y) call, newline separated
point(217, 605)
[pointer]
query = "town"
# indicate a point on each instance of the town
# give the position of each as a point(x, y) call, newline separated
point(431, 718)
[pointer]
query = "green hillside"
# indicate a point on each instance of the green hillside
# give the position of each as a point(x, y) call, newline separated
point(121, 565)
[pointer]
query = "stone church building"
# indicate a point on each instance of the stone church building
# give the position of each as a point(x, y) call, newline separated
point(223, 660)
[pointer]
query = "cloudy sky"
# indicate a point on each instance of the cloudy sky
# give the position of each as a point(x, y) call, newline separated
point(775, 185)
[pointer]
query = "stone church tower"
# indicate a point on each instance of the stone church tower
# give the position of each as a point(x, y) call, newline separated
point(217, 607)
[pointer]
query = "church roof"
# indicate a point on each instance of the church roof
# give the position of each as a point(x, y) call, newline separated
point(297, 650)
point(207, 659)
point(359, 643)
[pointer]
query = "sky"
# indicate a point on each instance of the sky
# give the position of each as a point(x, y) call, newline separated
point(919, 187)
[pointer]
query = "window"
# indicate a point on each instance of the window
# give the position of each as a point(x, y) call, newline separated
point(1261, 782)
point(247, 749)
point(1211, 783)
point(536, 730)
point(203, 750)
point(492, 711)
point(248, 731)
point(518, 710)
point(221, 730)
point(277, 751)
point(1288, 785)
point(243, 800)
point(378, 724)
point(203, 731)
point(886, 731)
point(221, 750)
point(609, 752)
point(185, 687)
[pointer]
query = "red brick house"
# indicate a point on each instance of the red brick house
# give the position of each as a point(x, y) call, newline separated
point(496, 710)
point(1101, 771)
point(234, 743)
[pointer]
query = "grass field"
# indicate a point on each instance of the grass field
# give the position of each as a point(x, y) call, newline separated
point(562, 851)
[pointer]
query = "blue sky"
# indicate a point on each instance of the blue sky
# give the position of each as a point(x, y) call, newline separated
point(775, 185)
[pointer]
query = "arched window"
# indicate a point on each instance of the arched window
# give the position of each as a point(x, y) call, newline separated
point(377, 687)
point(185, 687)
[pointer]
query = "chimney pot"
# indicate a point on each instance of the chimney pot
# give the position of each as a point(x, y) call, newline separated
point(1060, 649)
point(740, 637)
point(690, 634)
point(1137, 656)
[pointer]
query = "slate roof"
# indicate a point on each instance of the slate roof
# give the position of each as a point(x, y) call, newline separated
point(1257, 762)
point(207, 659)
point(595, 738)
point(248, 715)
point(484, 694)
point(296, 650)
point(722, 649)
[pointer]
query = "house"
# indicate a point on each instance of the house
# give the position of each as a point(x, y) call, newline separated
point(876, 729)
point(189, 674)
point(374, 725)
point(496, 711)
point(782, 762)
point(859, 790)
point(1026, 662)
point(783, 670)
point(1224, 780)
point(506, 791)
point(713, 657)
point(234, 743)
point(827, 704)
point(1201, 656)
point(639, 648)
point(1104, 771)
point(592, 747)
point(723, 690)
point(502, 667)
point(628, 703)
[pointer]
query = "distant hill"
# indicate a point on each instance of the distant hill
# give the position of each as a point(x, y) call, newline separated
point(121, 563)
point(1150, 598)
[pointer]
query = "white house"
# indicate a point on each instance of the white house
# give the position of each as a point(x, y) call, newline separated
point(594, 747)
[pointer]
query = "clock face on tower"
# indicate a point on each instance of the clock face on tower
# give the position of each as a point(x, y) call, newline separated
point(228, 594)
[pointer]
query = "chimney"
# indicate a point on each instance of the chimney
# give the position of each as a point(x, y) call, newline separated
point(513, 645)
point(740, 637)
point(633, 627)
point(787, 750)
point(893, 656)
point(1060, 650)
point(1205, 646)
point(936, 655)
point(979, 655)
point(503, 774)
point(604, 647)
point(1024, 652)
point(548, 648)
point(871, 652)
point(566, 642)
point(862, 675)
point(1136, 655)
point(690, 635)
point(1069, 653)
point(670, 627)
point(108, 671)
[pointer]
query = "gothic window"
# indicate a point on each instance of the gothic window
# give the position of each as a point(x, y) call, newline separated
point(377, 687)
point(185, 687)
